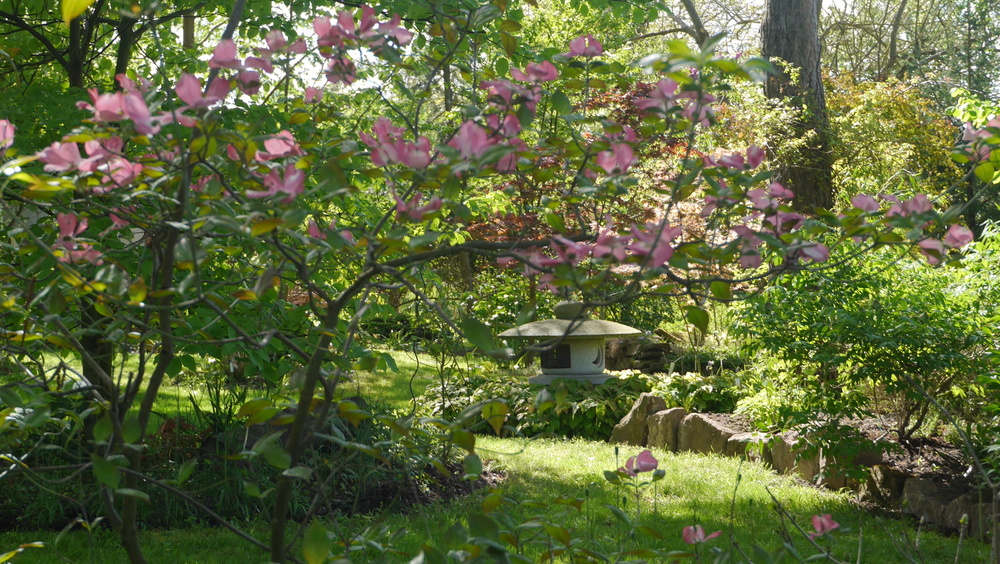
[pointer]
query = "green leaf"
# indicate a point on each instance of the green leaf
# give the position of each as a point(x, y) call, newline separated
point(253, 406)
point(105, 471)
point(698, 317)
point(103, 428)
point(619, 514)
point(721, 290)
point(561, 103)
point(495, 413)
point(187, 468)
point(137, 291)
point(71, 9)
point(133, 493)
point(300, 472)
point(131, 430)
point(509, 43)
point(481, 525)
point(464, 439)
point(316, 544)
point(266, 225)
point(502, 66)
point(478, 333)
point(985, 172)
point(472, 465)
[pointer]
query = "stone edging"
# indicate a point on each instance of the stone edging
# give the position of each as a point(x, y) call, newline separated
point(651, 424)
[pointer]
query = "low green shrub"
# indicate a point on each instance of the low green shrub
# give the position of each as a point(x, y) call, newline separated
point(713, 393)
point(567, 408)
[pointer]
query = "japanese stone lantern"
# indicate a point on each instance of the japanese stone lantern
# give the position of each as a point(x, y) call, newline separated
point(578, 349)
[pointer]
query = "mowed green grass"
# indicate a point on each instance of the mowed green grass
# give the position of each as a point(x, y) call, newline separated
point(717, 493)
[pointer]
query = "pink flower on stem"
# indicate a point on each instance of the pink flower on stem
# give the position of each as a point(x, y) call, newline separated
point(70, 225)
point(471, 140)
point(292, 184)
point(865, 203)
point(281, 145)
point(413, 210)
point(536, 72)
point(695, 535)
point(617, 160)
point(654, 242)
point(584, 46)
point(643, 462)
point(388, 146)
point(189, 91)
point(313, 95)
point(249, 82)
point(106, 107)
point(341, 69)
point(933, 249)
point(661, 98)
point(957, 237)
point(60, 157)
point(6, 134)
point(816, 252)
point(755, 156)
point(224, 56)
point(822, 524)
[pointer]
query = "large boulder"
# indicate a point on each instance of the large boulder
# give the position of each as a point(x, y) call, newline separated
point(883, 486)
point(975, 509)
point(663, 428)
point(633, 429)
point(925, 500)
point(699, 433)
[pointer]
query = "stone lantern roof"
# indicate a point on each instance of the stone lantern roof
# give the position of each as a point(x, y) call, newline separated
point(570, 323)
point(578, 352)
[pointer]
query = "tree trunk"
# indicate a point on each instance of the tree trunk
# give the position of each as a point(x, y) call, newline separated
point(790, 32)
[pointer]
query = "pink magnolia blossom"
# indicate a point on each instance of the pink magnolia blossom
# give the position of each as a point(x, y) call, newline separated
point(610, 244)
point(536, 72)
point(865, 203)
point(698, 109)
point(314, 231)
point(617, 160)
point(292, 184)
point(392, 29)
point(313, 95)
point(584, 46)
point(60, 157)
point(70, 225)
point(695, 535)
point(135, 108)
point(261, 63)
point(108, 107)
point(957, 237)
point(341, 69)
point(661, 98)
point(6, 134)
point(281, 145)
point(653, 242)
point(471, 140)
point(248, 81)
point(933, 249)
point(816, 252)
point(570, 252)
point(733, 161)
point(509, 127)
point(189, 91)
point(413, 210)
point(224, 56)
point(822, 524)
point(917, 205)
point(388, 146)
point(755, 156)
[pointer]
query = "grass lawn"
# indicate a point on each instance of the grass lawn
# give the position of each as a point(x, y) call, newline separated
point(718, 493)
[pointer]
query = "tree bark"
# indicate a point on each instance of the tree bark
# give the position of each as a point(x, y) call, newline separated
point(790, 32)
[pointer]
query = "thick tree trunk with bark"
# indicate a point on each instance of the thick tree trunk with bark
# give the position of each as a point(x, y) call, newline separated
point(790, 32)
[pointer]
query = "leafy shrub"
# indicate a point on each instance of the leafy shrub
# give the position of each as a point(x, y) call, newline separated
point(880, 337)
point(716, 393)
point(568, 408)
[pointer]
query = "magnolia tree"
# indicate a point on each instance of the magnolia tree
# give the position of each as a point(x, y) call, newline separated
point(172, 224)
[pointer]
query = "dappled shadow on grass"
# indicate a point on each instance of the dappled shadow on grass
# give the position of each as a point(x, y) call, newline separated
point(718, 493)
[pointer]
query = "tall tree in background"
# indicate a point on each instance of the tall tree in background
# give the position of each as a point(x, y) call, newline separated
point(790, 32)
